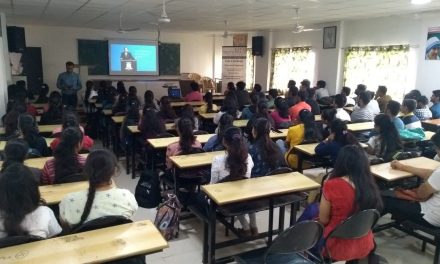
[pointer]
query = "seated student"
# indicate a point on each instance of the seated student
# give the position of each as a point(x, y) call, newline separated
point(350, 188)
point(42, 95)
point(387, 143)
point(131, 119)
point(229, 106)
point(16, 151)
point(106, 95)
point(215, 142)
point(339, 103)
point(90, 94)
point(409, 119)
point(132, 95)
point(346, 92)
point(188, 112)
point(339, 138)
point(281, 115)
point(166, 112)
point(306, 130)
point(392, 110)
point(321, 91)
point(71, 120)
point(382, 98)
point(413, 94)
point(10, 121)
point(149, 101)
point(151, 125)
point(422, 112)
point(195, 94)
point(29, 131)
point(65, 162)
point(235, 164)
point(243, 97)
point(372, 106)
point(209, 106)
point(262, 112)
point(327, 117)
point(361, 113)
point(265, 154)
point(273, 94)
point(301, 105)
point(250, 110)
point(435, 100)
point(187, 141)
point(54, 114)
point(230, 87)
point(21, 96)
point(20, 206)
point(305, 84)
point(418, 205)
point(359, 89)
point(102, 198)
point(120, 106)
point(311, 100)
point(292, 94)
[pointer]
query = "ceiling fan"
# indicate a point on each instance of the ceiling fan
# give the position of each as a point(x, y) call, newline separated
point(226, 33)
point(164, 17)
point(123, 30)
point(299, 28)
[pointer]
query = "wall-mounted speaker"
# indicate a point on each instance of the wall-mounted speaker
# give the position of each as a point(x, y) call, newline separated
point(16, 39)
point(257, 46)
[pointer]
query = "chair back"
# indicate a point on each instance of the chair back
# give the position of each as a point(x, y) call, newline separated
point(200, 132)
point(102, 222)
point(18, 240)
point(279, 170)
point(298, 238)
point(356, 226)
point(165, 135)
point(75, 177)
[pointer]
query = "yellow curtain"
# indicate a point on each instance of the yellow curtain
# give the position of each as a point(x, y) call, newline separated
point(249, 69)
point(374, 66)
point(291, 63)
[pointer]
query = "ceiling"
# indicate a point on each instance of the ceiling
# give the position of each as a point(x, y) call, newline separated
point(201, 15)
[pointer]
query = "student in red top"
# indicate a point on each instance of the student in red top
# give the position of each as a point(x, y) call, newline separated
point(70, 120)
point(195, 94)
point(66, 165)
point(301, 105)
point(349, 189)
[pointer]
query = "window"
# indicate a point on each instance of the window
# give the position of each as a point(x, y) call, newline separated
point(374, 66)
point(249, 69)
point(291, 64)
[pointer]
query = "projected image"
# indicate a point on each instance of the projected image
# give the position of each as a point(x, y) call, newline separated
point(133, 59)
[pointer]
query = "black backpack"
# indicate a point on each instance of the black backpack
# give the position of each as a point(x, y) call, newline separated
point(147, 191)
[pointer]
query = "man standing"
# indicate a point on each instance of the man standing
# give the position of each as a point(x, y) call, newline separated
point(69, 84)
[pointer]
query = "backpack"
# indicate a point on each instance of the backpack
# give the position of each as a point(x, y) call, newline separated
point(167, 217)
point(147, 192)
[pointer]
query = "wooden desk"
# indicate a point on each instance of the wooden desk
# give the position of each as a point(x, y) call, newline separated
point(358, 127)
point(118, 119)
point(309, 149)
point(53, 194)
point(168, 127)
point(97, 246)
point(428, 135)
point(181, 104)
point(208, 115)
point(159, 143)
point(240, 123)
point(39, 162)
point(318, 118)
point(432, 124)
point(48, 128)
point(107, 112)
point(195, 160)
point(268, 187)
point(385, 172)
point(3, 143)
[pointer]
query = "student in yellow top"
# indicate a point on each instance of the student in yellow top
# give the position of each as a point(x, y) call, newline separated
point(305, 130)
point(208, 107)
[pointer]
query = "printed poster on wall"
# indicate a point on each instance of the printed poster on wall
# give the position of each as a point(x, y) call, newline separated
point(433, 44)
point(233, 65)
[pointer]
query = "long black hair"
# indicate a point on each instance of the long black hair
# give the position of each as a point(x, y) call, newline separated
point(270, 152)
point(208, 100)
point(186, 134)
point(230, 105)
point(65, 154)
point(29, 129)
point(151, 124)
point(188, 112)
point(100, 166)
point(282, 107)
point(54, 114)
point(390, 141)
point(166, 111)
point(19, 196)
point(311, 132)
point(342, 135)
point(149, 101)
point(237, 153)
point(226, 121)
point(15, 152)
point(353, 162)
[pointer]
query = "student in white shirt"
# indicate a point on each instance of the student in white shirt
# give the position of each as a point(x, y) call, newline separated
point(346, 91)
point(21, 212)
point(102, 198)
point(372, 106)
point(340, 101)
point(420, 205)
point(236, 164)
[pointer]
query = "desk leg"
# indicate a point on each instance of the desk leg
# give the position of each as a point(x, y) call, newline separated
point(211, 232)
point(293, 209)
point(300, 161)
point(281, 218)
point(205, 242)
point(133, 156)
point(270, 233)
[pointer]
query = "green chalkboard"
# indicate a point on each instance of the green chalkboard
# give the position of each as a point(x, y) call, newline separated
point(169, 59)
point(93, 53)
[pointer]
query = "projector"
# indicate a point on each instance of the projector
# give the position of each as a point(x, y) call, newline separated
point(164, 19)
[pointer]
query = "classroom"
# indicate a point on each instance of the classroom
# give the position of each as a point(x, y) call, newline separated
point(207, 131)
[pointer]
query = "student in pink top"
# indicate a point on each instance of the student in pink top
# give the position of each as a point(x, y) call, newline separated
point(195, 95)
point(281, 115)
point(301, 105)
point(187, 141)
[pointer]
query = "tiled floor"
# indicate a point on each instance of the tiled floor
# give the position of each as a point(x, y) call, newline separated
point(395, 246)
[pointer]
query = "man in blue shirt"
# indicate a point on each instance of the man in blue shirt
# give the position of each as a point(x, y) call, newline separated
point(435, 108)
point(69, 84)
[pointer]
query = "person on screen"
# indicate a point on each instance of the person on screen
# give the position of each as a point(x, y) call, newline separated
point(432, 49)
point(69, 84)
point(128, 62)
point(126, 55)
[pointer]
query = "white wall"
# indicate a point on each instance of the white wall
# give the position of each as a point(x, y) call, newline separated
point(3, 83)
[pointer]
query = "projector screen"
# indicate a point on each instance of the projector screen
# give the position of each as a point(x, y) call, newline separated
point(132, 57)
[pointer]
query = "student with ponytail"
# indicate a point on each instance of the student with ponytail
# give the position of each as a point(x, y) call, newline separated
point(15, 152)
point(21, 209)
point(102, 198)
point(66, 161)
point(265, 154)
point(71, 120)
point(29, 131)
point(262, 112)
